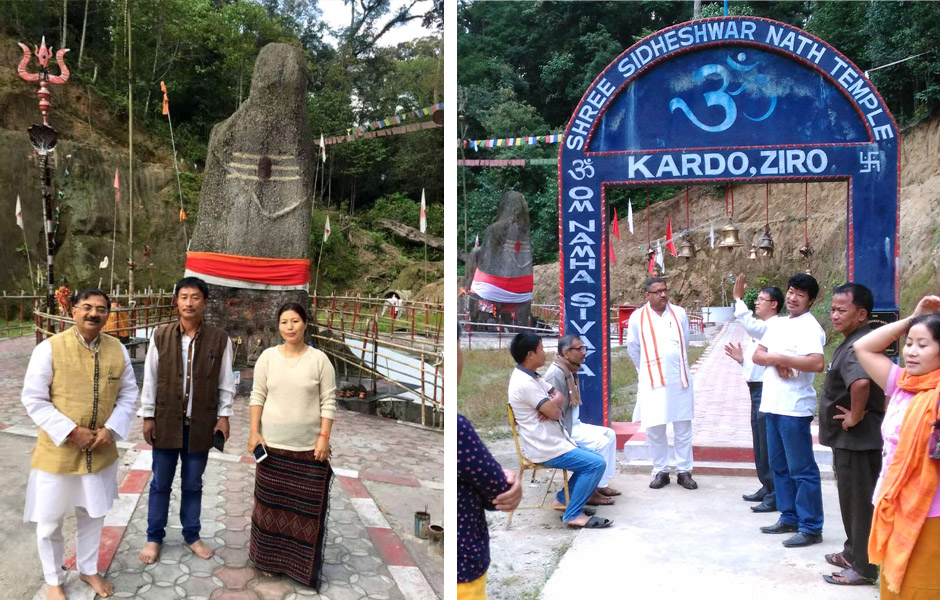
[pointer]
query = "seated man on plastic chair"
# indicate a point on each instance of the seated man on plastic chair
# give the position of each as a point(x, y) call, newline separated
point(538, 410)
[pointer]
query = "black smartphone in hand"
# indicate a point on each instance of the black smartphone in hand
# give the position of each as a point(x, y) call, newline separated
point(218, 440)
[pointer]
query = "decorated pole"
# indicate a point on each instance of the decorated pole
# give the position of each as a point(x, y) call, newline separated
point(43, 139)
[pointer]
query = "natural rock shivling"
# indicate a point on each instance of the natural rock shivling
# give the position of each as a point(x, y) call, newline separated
point(253, 234)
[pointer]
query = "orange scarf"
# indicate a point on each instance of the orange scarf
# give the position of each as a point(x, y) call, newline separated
point(648, 337)
point(909, 485)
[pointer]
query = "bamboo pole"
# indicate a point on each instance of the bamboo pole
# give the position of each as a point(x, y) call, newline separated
point(130, 155)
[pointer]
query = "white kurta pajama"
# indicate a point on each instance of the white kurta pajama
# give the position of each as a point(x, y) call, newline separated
point(658, 347)
point(50, 496)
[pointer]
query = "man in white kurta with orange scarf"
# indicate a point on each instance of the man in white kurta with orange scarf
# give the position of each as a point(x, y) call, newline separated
point(658, 343)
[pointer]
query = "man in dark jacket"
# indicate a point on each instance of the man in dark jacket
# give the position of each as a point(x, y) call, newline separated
point(186, 397)
point(850, 413)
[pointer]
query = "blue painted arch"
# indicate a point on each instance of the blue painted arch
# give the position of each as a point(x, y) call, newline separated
point(730, 99)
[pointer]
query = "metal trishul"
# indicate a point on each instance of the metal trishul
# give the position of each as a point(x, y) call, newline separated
point(43, 54)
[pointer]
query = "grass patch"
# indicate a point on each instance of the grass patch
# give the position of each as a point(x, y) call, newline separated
point(481, 396)
point(15, 329)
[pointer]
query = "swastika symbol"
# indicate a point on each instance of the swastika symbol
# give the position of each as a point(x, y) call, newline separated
point(870, 161)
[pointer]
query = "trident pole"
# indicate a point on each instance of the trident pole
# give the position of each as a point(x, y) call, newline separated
point(43, 138)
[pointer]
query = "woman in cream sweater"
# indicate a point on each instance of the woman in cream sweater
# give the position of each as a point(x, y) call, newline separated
point(292, 408)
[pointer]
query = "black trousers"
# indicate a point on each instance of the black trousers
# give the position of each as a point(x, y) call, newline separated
point(856, 474)
point(759, 435)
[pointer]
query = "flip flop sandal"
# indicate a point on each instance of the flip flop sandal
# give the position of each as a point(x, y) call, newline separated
point(593, 523)
point(837, 560)
point(848, 577)
point(586, 510)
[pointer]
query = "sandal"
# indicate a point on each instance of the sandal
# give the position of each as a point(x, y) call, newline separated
point(593, 523)
point(608, 491)
point(847, 577)
point(837, 560)
point(588, 511)
point(598, 499)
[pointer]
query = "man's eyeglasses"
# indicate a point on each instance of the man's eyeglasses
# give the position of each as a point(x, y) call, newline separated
point(658, 292)
point(578, 348)
point(101, 310)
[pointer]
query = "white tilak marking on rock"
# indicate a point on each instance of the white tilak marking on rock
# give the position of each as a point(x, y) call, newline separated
point(369, 512)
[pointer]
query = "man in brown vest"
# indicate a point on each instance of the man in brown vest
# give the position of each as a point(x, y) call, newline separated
point(186, 397)
point(81, 392)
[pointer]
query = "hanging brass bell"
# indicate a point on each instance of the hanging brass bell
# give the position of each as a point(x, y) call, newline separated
point(765, 243)
point(806, 251)
point(753, 254)
point(687, 249)
point(730, 237)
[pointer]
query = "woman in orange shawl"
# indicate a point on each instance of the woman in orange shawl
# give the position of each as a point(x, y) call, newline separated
point(905, 533)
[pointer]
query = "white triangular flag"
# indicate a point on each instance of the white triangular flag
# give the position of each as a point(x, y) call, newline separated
point(659, 259)
point(476, 244)
point(326, 228)
point(711, 236)
point(424, 217)
point(19, 213)
point(630, 215)
point(322, 148)
point(104, 263)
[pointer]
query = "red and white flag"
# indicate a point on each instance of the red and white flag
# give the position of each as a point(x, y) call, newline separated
point(326, 228)
point(117, 187)
point(19, 213)
point(424, 216)
point(670, 245)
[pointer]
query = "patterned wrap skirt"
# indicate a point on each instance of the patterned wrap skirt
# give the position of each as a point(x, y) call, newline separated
point(288, 524)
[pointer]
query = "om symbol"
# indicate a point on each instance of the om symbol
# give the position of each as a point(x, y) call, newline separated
point(582, 169)
point(720, 97)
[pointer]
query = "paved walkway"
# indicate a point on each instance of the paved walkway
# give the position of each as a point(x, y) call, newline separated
point(386, 471)
point(670, 543)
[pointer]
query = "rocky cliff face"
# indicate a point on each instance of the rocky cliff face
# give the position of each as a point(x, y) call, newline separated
point(700, 279)
point(85, 160)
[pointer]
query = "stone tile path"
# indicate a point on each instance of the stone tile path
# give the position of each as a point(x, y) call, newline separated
point(384, 469)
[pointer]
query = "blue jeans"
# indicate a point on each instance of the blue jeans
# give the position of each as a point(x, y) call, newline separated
point(158, 507)
point(796, 475)
point(587, 467)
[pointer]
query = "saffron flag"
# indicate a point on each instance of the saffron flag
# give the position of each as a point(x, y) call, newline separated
point(19, 213)
point(630, 215)
point(322, 148)
point(424, 217)
point(326, 228)
point(670, 245)
point(166, 100)
point(117, 187)
point(615, 228)
point(183, 215)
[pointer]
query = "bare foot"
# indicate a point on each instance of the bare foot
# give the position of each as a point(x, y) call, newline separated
point(268, 574)
point(98, 583)
point(608, 491)
point(559, 506)
point(599, 499)
point(149, 553)
point(55, 592)
point(580, 521)
point(200, 549)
